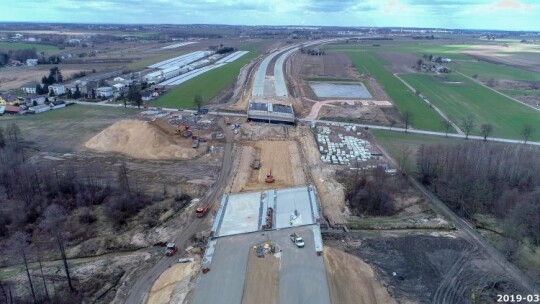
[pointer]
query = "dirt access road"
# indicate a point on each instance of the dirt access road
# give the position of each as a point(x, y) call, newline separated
point(139, 291)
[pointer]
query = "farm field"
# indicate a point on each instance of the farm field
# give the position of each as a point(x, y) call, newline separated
point(20, 46)
point(208, 85)
point(492, 70)
point(395, 142)
point(424, 117)
point(418, 48)
point(458, 96)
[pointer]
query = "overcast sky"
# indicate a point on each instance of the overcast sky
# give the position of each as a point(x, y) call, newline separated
point(480, 14)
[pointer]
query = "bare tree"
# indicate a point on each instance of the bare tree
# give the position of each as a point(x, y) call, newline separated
point(407, 118)
point(198, 101)
point(527, 132)
point(53, 222)
point(486, 130)
point(468, 125)
point(43, 276)
point(404, 154)
point(392, 123)
point(20, 243)
point(446, 126)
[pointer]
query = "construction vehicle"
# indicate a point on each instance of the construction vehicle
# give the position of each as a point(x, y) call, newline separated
point(171, 249)
point(184, 130)
point(269, 178)
point(297, 240)
point(201, 211)
point(256, 164)
point(195, 144)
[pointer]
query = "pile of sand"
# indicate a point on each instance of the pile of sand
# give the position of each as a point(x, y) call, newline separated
point(140, 139)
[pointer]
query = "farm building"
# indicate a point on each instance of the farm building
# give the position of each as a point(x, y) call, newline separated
point(31, 62)
point(271, 113)
point(57, 104)
point(39, 109)
point(33, 99)
point(105, 92)
point(12, 110)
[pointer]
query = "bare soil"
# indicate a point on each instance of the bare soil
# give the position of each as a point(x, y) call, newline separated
point(172, 286)
point(352, 281)
point(262, 280)
point(432, 267)
point(282, 158)
point(516, 55)
point(401, 62)
point(357, 112)
point(144, 140)
point(331, 193)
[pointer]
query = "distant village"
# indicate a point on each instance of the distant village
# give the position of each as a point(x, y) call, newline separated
point(53, 93)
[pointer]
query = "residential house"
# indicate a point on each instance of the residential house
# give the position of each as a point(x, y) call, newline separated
point(58, 89)
point(34, 100)
point(104, 92)
point(39, 109)
point(8, 99)
point(31, 62)
point(29, 87)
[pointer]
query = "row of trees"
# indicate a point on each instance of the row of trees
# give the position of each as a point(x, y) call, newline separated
point(21, 55)
point(476, 177)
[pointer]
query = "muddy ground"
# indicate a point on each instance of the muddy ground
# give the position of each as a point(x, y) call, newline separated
point(437, 267)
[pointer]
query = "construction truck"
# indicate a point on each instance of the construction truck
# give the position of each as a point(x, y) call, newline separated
point(256, 164)
point(269, 178)
point(201, 211)
point(195, 144)
point(297, 240)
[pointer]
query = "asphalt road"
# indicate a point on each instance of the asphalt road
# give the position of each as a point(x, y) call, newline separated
point(139, 291)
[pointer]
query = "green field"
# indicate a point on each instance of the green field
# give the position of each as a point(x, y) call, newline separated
point(20, 46)
point(207, 85)
point(450, 51)
point(457, 96)
point(491, 70)
point(396, 142)
point(424, 117)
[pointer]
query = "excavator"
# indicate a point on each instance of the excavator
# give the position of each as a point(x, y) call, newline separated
point(184, 130)
point(269, 178)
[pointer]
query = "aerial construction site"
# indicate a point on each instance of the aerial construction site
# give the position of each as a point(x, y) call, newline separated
point(305, 178)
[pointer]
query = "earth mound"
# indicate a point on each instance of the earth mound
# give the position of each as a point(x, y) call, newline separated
point(144, 140)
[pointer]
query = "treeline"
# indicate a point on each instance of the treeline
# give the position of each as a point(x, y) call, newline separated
point(45, 207)
point(482, 178)
point(21, 55)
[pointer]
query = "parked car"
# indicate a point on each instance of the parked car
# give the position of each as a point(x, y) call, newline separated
point(171, 249)
point(297, 240)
